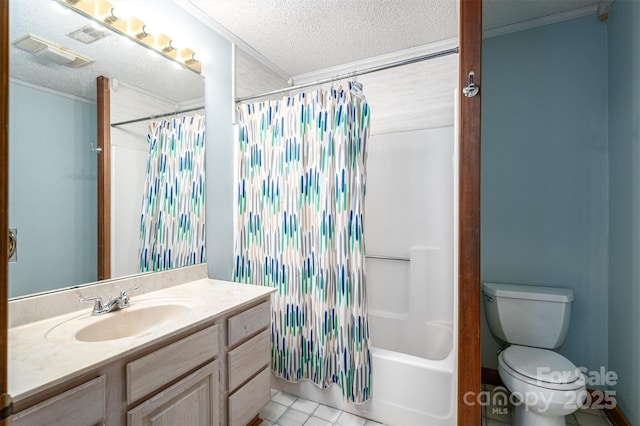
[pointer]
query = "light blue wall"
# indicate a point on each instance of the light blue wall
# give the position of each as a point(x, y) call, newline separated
point(219, 162)
point(216, 53)
point(545, 171)
point(624, 203)
point(219, 152)
point(52, 190)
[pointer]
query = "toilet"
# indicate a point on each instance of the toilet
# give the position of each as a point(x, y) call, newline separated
point(533, 320)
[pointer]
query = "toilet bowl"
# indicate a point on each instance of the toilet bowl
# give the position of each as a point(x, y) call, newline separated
point(534, 320)
point(548, 386)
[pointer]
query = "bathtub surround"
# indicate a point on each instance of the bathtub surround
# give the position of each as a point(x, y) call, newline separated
point(301, 185)
point(172, 225)
point(413, 379)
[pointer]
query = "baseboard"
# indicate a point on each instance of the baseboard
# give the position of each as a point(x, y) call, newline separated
point(615, 414)
point(491, 377)
point(616, 417)
point(255, 421)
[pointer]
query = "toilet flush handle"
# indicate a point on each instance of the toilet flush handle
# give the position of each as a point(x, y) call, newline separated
point(489, 298)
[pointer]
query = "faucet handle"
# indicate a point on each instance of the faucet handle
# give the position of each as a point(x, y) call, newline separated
point(98, 306)
point(124, 297)
point(124, 292)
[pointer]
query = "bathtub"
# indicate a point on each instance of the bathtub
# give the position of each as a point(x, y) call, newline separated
point(406, 390)
point(413, 356)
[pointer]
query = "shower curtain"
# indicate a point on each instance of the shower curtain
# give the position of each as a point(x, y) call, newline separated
point(300, 201)
point(172, 229)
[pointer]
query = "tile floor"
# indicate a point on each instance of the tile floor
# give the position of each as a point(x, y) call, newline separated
point(289, 410)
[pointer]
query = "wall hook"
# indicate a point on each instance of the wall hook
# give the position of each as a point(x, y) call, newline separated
point(472, 89)
point(95, 149)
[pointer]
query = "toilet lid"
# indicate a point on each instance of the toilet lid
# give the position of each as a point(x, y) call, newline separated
point(541, 364)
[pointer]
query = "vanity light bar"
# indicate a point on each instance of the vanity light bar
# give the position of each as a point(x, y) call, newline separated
point(107, 14)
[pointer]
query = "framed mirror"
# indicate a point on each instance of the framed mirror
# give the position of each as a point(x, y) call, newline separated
point(53, 129)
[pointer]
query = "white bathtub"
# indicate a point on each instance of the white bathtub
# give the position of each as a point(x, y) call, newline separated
point(406, 390)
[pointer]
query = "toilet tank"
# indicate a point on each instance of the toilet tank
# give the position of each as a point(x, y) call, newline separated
point(528, 315)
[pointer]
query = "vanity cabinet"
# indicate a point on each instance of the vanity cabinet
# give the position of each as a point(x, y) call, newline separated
point(211, 371)
point(248, 360)
point(82, 405)
point(191, 401)
point(194, 400)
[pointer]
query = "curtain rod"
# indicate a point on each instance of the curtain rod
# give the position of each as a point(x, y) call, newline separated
point(355, 73)
point(151, 117)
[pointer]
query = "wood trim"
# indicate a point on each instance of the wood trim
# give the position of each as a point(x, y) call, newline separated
point(617, 417)
point(4, 196)
point(491, 377)
point(104, 179)
point(255, 421)
point(469, 358)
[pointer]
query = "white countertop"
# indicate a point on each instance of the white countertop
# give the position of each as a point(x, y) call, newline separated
point(41, 355)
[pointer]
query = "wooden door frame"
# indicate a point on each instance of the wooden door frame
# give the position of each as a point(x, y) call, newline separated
point(5, 400)
point(469, 358)
point(104, 177)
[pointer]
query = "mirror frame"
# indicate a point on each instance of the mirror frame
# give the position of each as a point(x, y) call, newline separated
point(5, 400)
point(103, 106)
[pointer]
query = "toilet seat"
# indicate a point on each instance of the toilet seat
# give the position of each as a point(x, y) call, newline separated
point(541, 367)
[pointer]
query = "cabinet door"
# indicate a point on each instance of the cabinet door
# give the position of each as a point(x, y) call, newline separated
point(192, 401)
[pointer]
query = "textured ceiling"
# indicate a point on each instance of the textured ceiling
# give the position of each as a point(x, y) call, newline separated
point(115, 57)
point(307, 35)
point(301, 36)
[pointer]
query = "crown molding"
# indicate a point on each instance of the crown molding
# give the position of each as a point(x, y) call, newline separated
point(200, 15)
point(398, 55)
point(539, 22)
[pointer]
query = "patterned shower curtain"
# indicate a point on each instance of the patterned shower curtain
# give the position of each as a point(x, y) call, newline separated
point(172, 229)
point(300, 195)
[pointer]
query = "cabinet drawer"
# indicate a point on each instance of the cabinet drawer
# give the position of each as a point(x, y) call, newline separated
point(249, 358)
point(245, 403)
point(83, 405)
point(153, 371)
point(249, 322)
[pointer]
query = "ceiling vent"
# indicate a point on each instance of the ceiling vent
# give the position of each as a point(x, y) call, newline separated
point(50, 52)
point(88, 34)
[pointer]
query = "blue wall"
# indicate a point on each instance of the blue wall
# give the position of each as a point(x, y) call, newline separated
point(52, 190)
point(544, 187)
point(219, 162)
point(624, 203)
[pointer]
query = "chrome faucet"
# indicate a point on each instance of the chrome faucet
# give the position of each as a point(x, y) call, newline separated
point(113, 304)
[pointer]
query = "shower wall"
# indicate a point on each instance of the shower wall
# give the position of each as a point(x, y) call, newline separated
point(409, 214)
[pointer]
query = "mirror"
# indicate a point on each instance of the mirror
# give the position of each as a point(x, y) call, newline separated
point(53, 126)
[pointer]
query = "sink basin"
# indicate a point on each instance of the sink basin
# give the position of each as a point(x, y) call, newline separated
point(128, 323)
point(141, 318)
